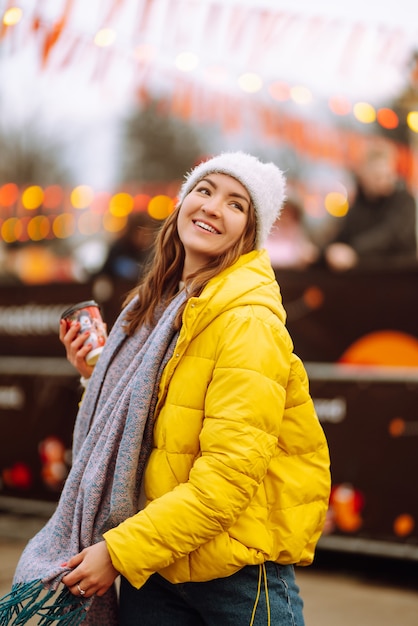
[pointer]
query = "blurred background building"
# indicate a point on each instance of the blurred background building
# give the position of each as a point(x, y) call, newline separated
point(104, 105)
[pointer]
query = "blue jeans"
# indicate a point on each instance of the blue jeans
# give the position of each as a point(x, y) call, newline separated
point(255, 595)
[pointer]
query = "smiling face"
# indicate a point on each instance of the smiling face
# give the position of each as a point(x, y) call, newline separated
point(212, 218)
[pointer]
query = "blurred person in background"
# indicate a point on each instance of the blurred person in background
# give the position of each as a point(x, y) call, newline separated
point(289, 244)
point(128, 254)
point(380, 226)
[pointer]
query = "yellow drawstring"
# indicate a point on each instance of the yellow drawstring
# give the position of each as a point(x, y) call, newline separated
point(267, 595)
point(262, 568)
point(257, 597)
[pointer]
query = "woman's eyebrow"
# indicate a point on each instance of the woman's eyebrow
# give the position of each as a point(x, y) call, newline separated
point(233, 194)
point(208, 180)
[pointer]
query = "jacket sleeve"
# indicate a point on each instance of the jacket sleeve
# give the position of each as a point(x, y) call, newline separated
point(244, 405)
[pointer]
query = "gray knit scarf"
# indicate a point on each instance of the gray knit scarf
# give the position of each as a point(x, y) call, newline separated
point(112, 441)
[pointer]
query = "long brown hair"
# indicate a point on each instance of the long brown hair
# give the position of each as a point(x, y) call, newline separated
point(161, 280)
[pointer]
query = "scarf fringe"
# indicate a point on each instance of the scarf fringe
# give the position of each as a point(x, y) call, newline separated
point(28, 600)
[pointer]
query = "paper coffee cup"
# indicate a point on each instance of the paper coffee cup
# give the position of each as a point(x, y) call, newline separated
point(88, 315)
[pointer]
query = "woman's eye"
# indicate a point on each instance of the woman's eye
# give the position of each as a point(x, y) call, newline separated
point(203, 190)
point(238, 206)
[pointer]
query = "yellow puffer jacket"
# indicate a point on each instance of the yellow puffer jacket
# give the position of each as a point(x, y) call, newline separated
point(239, 472)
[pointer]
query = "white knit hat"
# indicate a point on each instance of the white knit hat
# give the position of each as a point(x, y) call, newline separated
point(264, 182)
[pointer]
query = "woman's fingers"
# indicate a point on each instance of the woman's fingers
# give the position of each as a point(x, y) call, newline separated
point(76, 346)
point(92, 573)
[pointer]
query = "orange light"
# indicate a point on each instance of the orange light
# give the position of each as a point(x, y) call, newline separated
point(160, 207)
point(63, 225)
point(336, 204)
point(141, 202)
point(397, 427)
point(23, 228)
point(404, 525)
point(387, 118)
point(313, 297)
point(9, 193)
point(121, 204)
point(36, 265)
point(53, 197)
point(113, 223)
point(11, 230)
point(38, 228)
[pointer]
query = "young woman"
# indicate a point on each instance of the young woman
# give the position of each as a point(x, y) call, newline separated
point(201, 472)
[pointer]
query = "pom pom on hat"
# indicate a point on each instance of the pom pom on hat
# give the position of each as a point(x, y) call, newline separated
point(265, 183)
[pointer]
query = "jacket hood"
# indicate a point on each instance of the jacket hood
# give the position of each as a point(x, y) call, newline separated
point(249, 281)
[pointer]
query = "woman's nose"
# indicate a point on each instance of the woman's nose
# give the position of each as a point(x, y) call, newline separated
point(212, 206)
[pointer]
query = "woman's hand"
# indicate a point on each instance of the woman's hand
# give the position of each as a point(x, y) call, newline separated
point(341, 257)
point(92, 571)
point(75, 347)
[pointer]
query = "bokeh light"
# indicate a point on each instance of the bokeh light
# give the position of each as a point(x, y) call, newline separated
point(403, 525)
point(35, 265)
point(39, 228)
point(300, 94)
point(412, 121)
point(32, 197)
point(104, 37)
point(63, 225)
point(23, 228)
point(52, 454)
point(12, 16)
point(141, 201)
point(397, 427)
point(81, 196)
point(113, 223)
point(11, 230)
point(53, 197)
point(9, 193)
point(19, 476)
point(121, 204)
point(186, 61)
point(387, 118)
point(336, 203)
point(313, 297)
point(250, 82)
point(160, 207)
point(364, 112)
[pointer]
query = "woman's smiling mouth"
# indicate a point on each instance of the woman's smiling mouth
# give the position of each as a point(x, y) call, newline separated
point(207, 227)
